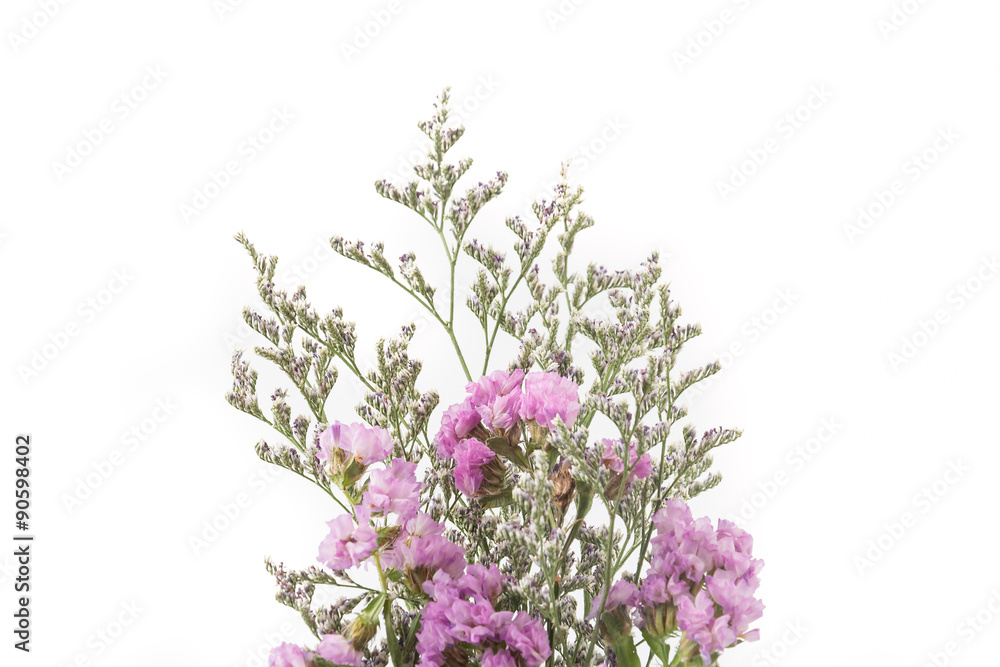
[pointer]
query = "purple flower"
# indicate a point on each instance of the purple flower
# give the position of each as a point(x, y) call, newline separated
point(497, 398)
point(470, 456)
point(527, 636)
point(289, 655)
point(497, 658)
point(337, 649)
point(394, 490)
point(347, 545)
point(622, 594)
point(702, 580)
point(456, 424)
point(611, 460)
point(547, 396)
point(363, 443)
point(422, 558)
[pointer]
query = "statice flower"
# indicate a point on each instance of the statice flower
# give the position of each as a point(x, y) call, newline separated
point(421, 558)
point(363, 443)
point(457, 423)
point(338, 650)
point(702, 581)
point(348, 544)
point(391, 490)
point(497, 398)
point(471, 456)
point(461, 614)
point(289, 655)
point(547, 396)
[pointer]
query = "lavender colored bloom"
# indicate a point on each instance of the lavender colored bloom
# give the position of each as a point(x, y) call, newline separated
point(422, 558)
point(527, 636)
point(498, 658)
point(497, 398)
point(610, 459)
point(364, 443)
point(702, 580)
point(392, 490)
point(623, 594)
point(347, 545)
point(456, 424)
point(289, 655)
point(470, 456)
point(337, 649)
point(461, 613)
point(547, 396)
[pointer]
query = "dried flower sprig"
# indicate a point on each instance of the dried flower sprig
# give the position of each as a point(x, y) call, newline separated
point(497, 556)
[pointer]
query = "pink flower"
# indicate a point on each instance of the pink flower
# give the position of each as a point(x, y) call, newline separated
point(622, 594)
point(289, 655)
point(497, 398)
point(422, 557)
point(364, 443)
point(347, 545)
point(338, 650)
point(497, 658)
point(611, 460)
point(527, 636)
point(394, 490)
point(470, 456)
point(456, 424)
point(547, 396)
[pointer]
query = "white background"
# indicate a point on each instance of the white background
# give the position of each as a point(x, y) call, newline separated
point(537, 83)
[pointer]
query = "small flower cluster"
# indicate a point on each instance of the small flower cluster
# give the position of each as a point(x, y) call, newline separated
point(701, 581)
point(462, 619)
point(492, 420)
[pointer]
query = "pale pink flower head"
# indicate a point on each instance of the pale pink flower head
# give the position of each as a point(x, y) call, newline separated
point(366, 444)
point(497, 398)
point(622, 594)
point(470, 457)
point(347, 545)
point(391, 490)
point(289, 655)
point(456, 424)
point(420, 559)
point(611, 460)
point(338, 650)
point(547, 396)
point(527, 636)
point(497, 658)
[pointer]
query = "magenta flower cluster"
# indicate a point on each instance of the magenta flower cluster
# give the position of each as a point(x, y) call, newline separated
point(462, 615)
point(704, 577)
point(333, 647)
point(498, 405)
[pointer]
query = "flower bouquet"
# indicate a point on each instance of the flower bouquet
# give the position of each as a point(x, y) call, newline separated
point(543, 519)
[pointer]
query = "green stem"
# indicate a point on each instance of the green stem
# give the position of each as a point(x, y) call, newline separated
point(390, 632)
